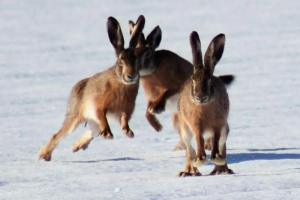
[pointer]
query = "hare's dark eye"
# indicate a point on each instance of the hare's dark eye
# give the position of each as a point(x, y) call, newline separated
point(148, 54)
point(120, 62)
point(209, 82)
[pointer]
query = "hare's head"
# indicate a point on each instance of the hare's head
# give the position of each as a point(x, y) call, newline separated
point(126, 69)
point(202, 84)
point(146, 48)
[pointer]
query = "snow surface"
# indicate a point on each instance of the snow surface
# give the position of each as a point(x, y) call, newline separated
point(48, 46)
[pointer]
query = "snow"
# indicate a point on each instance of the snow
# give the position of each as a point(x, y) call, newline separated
point(48, 46)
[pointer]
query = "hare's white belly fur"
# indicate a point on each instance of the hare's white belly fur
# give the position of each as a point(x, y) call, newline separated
point(171, 104)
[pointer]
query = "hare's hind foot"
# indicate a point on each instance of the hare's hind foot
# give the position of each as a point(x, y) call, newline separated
point(45, 154)
point(190, 171)
point(83, 144)
point(218, 170)
point(218, 160)
point(198, 162)
point(129, 133)
point(179, 146)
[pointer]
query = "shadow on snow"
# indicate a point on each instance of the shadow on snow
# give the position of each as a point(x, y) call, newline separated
point(103, 160)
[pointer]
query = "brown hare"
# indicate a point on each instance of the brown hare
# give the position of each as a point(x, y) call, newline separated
point(162, 74)
point(113, 91)
point(203, 109)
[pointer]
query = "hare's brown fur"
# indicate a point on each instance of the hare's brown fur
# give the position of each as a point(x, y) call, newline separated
point(163, 74)
point(203, 109)
point(109, 92)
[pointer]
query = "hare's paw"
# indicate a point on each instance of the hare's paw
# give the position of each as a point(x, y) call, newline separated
point(218, 170)
point(81, 144)
point(199, 161)
point(129, 133)
point(106, 134)
point(218, 160)
point(45, 154)
point(191, 171)
point(179, 146)
point(157, 107)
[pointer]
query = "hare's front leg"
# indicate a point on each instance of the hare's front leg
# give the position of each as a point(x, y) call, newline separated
point(190, 170)
point(201, 155)
point(105, 132)
point(219, 146)
point(153, 121)
point(125, 127)
point(159, 105)
point(216, 157)
point(222, 169)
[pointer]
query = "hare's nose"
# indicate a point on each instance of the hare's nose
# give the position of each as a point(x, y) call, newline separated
point(203, 99)
point(131, 76)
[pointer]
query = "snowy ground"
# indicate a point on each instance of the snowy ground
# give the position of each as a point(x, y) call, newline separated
point(47, 46)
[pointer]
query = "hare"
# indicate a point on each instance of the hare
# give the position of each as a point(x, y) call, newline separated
point(113, 91)
point(162, 74)
point(203, 109)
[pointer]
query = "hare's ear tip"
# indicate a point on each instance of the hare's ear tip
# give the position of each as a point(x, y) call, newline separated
point(130, 22)
point(157, 28)
point(111, 20)
point(221, 35)
point(141, 17)
point(194, 36)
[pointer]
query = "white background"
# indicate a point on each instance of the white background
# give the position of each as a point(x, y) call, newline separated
point(48, 46)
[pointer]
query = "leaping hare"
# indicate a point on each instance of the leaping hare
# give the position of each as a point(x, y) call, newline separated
point(162, 75)
point(112, 91)
point(203, 109)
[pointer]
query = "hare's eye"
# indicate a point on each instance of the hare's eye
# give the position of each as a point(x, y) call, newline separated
point(148, 54)
point(120, 62)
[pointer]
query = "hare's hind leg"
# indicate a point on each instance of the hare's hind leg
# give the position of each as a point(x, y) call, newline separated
point(222, 169)
point(69, 125)
point(187, 136)
point(175, 120)
point(87, 137)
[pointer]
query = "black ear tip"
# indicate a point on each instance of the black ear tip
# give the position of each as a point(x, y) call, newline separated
point(221, 35)
point(111, 21)
point(141, 19)
point(194, 37)
point(131, 22)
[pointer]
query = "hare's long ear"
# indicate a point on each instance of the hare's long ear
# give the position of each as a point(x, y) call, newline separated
point(130, 26)
point(154, 38)
point(142, 40)
point(196, 50)
point(115, 35)
point(137, 31)
point(214, 52)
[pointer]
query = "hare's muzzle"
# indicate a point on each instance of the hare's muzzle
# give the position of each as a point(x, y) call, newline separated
point(131, 78)
point(201, 99)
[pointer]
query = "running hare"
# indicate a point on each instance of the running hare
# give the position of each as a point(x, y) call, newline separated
point(162, 74)
point(112, 91)
point(203, 109)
